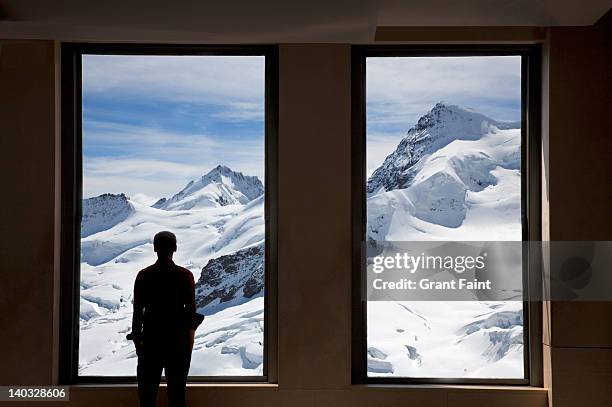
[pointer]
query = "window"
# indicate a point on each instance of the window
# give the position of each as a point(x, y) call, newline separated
point(443, 151)
point(178, 139)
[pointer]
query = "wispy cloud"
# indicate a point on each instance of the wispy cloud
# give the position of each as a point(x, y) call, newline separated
point(378, 147)
point(143, 199)
point(235, 83)
point(153, 178)
point(135, 159)
point(110, 137)
point(400, 90)
point(140, 167)
point(153, 123)
point(242, 111)
point(134, 176)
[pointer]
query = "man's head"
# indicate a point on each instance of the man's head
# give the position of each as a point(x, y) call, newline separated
point(164, 244)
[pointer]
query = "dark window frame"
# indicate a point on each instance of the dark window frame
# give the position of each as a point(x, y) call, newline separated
point(530, 202)
point(71, 200)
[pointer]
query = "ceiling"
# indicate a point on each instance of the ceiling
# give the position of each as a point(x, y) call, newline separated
point(277, 21)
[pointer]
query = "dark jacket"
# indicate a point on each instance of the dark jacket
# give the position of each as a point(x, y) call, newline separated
point(164, 303)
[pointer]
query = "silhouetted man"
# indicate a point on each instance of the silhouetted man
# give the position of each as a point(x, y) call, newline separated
point(163, 324)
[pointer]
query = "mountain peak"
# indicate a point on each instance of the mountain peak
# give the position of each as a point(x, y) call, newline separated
point(103, 212)
point(442, 104)
point(219, 171)
point(458, 118)
point(443, 124)
point(221, 186)
point(443, 107)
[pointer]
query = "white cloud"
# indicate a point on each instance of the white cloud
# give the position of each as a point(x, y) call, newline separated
point(141, 167)
point(234, 82)
point(149, 161)
point(242, 112)
point(379, 146)
point(151, 179)
point(154, 178)
point(146, 139)
point(143, 199)
point(140, 160)
point(400, 90)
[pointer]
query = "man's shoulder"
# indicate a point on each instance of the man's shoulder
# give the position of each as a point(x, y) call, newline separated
point(145, 271)
point(183, 271)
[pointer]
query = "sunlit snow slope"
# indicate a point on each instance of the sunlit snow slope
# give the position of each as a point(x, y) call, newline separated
point(455, 176)
point(216, 217)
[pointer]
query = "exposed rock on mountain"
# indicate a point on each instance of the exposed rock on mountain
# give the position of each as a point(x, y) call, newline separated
point(220, 187)
point(452, 161)
point(103, 212)
point(231, 278)
point(439, 127)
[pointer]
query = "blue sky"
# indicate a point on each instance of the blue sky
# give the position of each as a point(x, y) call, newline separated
point(401, 90)
point(152, 123)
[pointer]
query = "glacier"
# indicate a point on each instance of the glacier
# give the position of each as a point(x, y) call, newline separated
point(220, 229)
point(455, 176)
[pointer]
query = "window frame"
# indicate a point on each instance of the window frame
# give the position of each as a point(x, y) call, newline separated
point(530, 202)
point(71, 200)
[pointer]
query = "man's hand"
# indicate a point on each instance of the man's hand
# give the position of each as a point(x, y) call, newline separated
point(138, 345)
point(191, 338)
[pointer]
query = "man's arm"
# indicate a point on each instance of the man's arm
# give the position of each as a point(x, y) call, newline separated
point(190, 307)
point(138, 311)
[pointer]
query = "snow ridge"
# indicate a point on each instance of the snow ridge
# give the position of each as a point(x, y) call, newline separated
point(103, 212)
point(220, 228)
point(230, 279)
point(454, 162)
point(220, 187)
point(443, 124)
point(455, 176)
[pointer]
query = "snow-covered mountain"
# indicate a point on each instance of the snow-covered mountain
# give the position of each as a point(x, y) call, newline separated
point(232, 278)
point(103, 212)
point(442, 125)
point(220, 187)
point(220, 240)
point(455, 176)
point(454, 339)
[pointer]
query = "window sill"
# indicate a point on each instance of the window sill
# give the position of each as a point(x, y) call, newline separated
point(357, 387)
point(85, 386)
point(461, 387)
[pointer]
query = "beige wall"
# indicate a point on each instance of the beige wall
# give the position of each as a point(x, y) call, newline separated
point(314, 274)
point(578, 337)
point(314, 269)
point(27, 208)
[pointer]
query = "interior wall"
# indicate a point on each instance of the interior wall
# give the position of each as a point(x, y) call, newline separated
point(314, 267)
point(314, 216)
point(314, 280)
point(579, 334)
point(27, 134)
point(274, 21)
